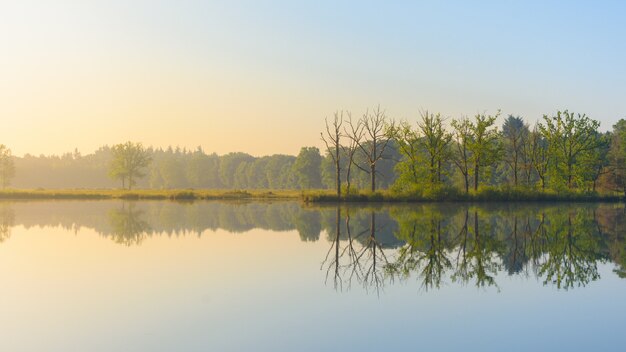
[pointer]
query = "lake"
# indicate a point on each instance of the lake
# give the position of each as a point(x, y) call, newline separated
point(282, 276)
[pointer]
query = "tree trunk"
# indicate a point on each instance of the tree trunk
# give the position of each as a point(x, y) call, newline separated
point(466, 176)
point(338, 169)
point(515, 172)
point(476, 170)
point(433, 171)
point(438, 171)
point(373, 176)
point(348, 175)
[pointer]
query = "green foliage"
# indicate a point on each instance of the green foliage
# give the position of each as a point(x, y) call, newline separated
point(616, 158)
point(516, 156)
point(484, 145)
point(307, 168)
point(7, 166)
point(128, 163)
point(571, 138)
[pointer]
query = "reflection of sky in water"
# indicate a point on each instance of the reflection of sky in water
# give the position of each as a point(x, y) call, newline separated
point(67, 289)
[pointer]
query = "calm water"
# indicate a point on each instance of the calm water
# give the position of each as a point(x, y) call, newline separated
point(219, 276)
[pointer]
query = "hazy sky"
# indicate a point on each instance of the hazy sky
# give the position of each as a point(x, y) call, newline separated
point(260, 76)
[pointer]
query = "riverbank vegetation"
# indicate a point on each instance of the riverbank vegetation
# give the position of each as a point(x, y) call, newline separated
point(182, 195)
point(564, 156)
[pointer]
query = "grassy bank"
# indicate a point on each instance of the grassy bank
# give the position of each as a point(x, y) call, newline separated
point(317, 196)
point(149, 194)
point(453, 195)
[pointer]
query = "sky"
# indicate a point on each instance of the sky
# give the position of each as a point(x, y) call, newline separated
point(261, 76)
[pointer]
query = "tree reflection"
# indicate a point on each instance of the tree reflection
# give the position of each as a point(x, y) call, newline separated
point(426, 248)
point(362, 255)
point(572, 251)
point(475, 245)
point(7, 218)
point(127, 225)
point(468, 244)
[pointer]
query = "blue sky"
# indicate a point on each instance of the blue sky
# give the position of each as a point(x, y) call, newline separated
point(260, 76)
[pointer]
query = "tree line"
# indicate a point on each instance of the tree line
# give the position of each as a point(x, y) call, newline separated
point(131, 165)
point(562, 152)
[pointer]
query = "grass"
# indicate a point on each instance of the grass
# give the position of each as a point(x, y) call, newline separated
point(448, 194)
point(147, 194)
point(436, 194)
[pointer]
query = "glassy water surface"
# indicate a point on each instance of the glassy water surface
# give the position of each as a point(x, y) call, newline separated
point(281, 276)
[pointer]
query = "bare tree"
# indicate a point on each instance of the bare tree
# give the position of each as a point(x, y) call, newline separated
point(333, 145)
point(375, 127)
point(354, 132)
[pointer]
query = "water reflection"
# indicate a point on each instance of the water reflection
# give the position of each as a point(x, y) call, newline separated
point(373, 246)
point(7, 218)
point(128, 225)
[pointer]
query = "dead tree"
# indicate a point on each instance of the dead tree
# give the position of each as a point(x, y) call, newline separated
point(375, 126)
point(354, 132)
point(333, 144)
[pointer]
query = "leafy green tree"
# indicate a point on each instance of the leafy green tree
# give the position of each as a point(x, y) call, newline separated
point(515, 134)
point(407, 140)
point(240, 177)
point(596, 161)
point(617, 157)
point(129, 161)
point(539, 155)
point(484, 145)
point(278, 171)
point(571, 137)
point(228, 167)
point(462, 151)
point(7, 166)
point(307, 168)
point(436, 141)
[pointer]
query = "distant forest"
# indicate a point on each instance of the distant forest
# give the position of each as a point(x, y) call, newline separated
point(565, 151)
point(180, 168)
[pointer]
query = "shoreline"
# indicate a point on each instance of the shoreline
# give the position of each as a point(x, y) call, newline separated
point(309, 196)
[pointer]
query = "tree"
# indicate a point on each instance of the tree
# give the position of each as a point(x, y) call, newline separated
point(539, 155)
point(307, 168)
point(596, 161)
point(7, 166)
point(514, 133)
point(333, 145)
point(354, 132)
point(375, 127)
point(129, 160)
point(570, 137)
point(483, 146)
point(407, 140)
point(436, 141)
point(228, 167)
point(461, 156)
point(617, 157)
